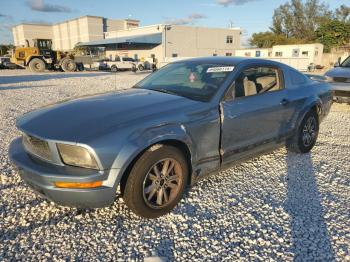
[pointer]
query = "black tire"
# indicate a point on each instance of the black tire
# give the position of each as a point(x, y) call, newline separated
point(141, 68)
point(134, 69)
point(114, 68)
point(300, 143)
point(68, 65)
point(135, 187)
point(80, 67)
point(37, 65)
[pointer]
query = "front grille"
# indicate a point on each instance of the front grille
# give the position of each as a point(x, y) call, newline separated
point(37, 147)
point(341, 79)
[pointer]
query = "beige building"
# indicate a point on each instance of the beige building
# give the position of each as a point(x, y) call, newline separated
point(126, 38)
point(67, 34)
point(169, 41)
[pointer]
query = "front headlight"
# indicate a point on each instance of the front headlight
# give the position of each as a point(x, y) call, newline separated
point(77, 156)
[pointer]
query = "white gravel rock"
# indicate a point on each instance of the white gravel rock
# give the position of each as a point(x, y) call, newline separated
point(281, 206)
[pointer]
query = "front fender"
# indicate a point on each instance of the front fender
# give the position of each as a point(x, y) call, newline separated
point(140, 141)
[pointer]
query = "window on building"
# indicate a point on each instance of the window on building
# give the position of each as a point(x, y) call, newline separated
point(258, 80)
point(174, 55)
point(215, 54)
point(136, 57)
point(296, 52)
point(257, 53)
point(228, 54)
point(229, 39)
point(305, 53)
point(269, 54)
point(316, 53)
point(278, 54)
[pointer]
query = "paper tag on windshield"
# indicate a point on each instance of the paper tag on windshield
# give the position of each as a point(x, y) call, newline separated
point(220, 69)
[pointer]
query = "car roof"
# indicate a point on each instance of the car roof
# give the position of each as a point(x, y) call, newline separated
point(232, 60)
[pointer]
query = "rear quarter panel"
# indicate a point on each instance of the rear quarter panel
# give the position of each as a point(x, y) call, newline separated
point(307, 95)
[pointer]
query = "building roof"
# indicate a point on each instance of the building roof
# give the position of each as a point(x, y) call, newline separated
point(155, 39)
point(65, 21)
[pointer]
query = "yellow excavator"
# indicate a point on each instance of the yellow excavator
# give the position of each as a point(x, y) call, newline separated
point(41, 57)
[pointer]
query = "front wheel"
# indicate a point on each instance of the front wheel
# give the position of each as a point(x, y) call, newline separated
point(156, 182)
point(305, 138)
point(36, 65)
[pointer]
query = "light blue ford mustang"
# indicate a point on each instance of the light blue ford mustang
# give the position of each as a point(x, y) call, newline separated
point(189, 119)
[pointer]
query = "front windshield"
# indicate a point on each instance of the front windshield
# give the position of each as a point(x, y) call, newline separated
point(346, 62)
point(194, 80)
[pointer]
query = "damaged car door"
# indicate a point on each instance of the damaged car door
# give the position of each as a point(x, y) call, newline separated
point(255, 112)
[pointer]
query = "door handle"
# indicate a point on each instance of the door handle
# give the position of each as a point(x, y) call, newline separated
point(284, 102)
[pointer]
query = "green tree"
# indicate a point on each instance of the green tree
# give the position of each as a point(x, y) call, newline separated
point(333, 34)
point(269, 39)
point(300, 19)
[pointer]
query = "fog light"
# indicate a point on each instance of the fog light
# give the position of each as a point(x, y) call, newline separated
point(78, 185)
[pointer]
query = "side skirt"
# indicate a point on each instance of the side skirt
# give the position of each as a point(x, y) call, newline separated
point(243, 156)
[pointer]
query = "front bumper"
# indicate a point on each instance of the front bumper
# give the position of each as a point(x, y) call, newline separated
point(41, 176)
point(341, 92)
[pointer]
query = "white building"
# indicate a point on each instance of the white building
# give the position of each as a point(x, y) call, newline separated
point(67, 34)
point(126, 38)
point(298, 56)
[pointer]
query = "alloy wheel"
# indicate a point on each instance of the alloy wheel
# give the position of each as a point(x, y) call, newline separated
point(162, 183)
point(309, 131)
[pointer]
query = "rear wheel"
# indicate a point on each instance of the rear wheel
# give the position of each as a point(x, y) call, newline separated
point(141, 68)
point(305, 138)
point(37, 65)
point(114, 68)
point(156, 182)
point(68, 65)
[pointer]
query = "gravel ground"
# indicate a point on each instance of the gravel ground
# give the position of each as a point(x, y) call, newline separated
point(281, 206)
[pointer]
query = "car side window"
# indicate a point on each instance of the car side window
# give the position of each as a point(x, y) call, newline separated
point(258, 80)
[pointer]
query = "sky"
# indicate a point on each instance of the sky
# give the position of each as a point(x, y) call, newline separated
point(250, 15)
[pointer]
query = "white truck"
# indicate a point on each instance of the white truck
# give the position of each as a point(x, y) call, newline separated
point(124, 63)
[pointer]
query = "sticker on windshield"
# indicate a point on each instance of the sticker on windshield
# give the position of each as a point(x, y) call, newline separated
point(220, 69)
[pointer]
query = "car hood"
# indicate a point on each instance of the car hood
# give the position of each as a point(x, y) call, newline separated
point(339, 72)
point(84, 118)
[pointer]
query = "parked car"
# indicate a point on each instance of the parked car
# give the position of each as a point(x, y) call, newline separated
point(122, 63)
point(339, 77)
point(187, 120)
point(5, 63)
